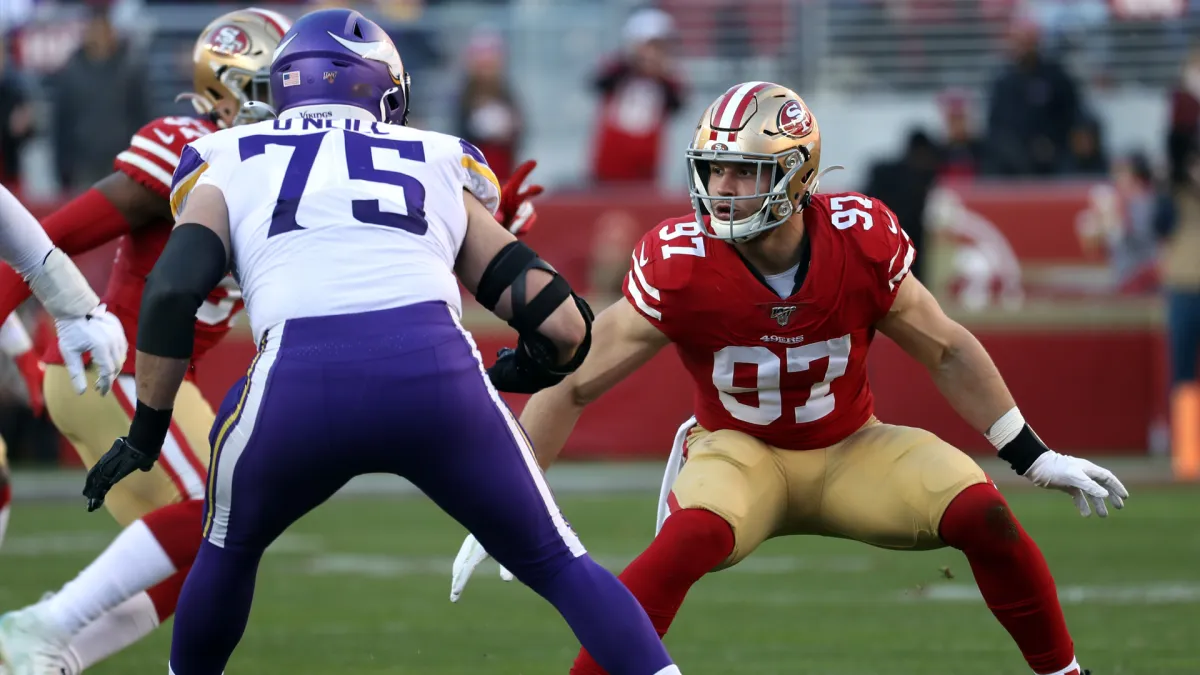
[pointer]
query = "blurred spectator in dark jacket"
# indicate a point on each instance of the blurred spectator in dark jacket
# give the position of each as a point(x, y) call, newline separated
point(16, 123)
point(639, 92)
point(904, 185)
point(100, 101)
point(962, 150)
point(1185, 119)
point(1086, 156)
point(488, 115)
point(1034, 103)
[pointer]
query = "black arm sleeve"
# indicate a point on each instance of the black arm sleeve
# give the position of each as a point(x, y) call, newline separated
point(189, 268)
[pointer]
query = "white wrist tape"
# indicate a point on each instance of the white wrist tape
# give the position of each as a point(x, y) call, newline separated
point(1006, 428)
point(14, 339)
point(60, 287)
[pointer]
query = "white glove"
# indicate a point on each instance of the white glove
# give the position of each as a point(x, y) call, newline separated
point(468, 558)
point(1083, 480)
point(99, 333)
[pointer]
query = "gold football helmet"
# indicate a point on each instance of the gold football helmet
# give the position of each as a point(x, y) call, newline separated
point(232, 61)
point(770, 127)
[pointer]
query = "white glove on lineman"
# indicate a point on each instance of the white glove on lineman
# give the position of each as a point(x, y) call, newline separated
point(468, 558)
point(99, 333)
point(1083, 480)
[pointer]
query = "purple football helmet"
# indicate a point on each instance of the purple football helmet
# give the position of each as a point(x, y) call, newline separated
point(340, 57)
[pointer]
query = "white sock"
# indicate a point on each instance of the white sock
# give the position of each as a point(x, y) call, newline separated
point(1072, 669)
point(133, 562)
point(669, 670)
point(127, 623)
point(4, 513)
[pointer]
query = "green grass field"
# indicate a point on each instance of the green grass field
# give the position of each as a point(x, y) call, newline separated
point(361, 586)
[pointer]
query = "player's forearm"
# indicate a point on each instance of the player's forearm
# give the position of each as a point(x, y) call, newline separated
point(548, 418)
point(970, 381)
point(159, 379)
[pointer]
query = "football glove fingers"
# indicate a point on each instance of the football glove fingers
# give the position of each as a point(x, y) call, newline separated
point(516, 372)
point(120, 461)
point(516, 212)
point(100, 334)
point(469, 556)
point(522, 221)
point(1086, 483)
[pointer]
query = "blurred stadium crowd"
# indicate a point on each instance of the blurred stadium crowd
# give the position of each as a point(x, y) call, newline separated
point(946, 109)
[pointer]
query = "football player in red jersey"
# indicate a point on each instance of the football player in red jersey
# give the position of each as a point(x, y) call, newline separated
point(772, 293)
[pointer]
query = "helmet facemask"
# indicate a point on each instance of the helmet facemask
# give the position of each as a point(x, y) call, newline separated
point(776, 204)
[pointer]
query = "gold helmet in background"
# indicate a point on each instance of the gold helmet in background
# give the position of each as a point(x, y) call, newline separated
point(765, 125)
point(232, 60)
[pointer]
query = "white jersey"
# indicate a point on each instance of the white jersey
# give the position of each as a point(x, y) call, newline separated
point(339, 215)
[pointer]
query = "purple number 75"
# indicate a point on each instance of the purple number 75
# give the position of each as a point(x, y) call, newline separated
point(360, 165)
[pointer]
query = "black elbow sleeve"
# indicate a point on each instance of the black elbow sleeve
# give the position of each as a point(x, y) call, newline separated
point(191, 265)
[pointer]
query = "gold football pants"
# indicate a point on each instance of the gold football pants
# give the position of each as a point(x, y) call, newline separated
point(884, 485)
point(92, 422)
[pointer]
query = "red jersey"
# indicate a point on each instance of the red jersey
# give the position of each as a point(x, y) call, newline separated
point(150, 160)
point(789, 371)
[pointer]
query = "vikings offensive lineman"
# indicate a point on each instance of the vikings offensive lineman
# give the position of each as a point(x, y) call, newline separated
point(345, 230)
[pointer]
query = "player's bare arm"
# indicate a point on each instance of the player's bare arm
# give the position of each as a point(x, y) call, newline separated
point(960, 366)
point(972, 384)
point(139, 205)
point(192, 264)
point(508, 278)
point(484, 240)
point(624, 340)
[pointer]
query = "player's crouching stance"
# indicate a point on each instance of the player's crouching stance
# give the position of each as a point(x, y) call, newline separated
point(346, 248)
point(771, 294)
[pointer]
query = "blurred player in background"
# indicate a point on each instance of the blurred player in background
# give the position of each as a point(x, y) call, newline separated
point(82, 323)
point(348, 248)
point(772, 294)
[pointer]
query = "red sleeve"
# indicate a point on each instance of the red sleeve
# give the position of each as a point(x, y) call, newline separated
point(661, 263)
point(890, 254)
point(154, 151)
point(886, 251)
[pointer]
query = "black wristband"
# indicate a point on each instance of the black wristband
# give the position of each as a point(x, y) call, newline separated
point(1021, 451)
point(149, 428)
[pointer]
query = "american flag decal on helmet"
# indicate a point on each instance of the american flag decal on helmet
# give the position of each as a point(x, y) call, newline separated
point(291, 78)
point(734, 109)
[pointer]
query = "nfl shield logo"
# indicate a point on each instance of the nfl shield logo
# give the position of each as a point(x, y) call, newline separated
point(330, 76)
point(782, 314)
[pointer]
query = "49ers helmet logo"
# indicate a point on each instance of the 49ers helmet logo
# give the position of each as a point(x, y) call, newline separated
point(795, 120)
point(229, 40)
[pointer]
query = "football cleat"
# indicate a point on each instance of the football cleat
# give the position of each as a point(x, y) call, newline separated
point(30, 645)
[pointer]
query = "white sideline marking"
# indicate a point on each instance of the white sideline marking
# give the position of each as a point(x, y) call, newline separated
point(387, 566)
point(91, 541)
